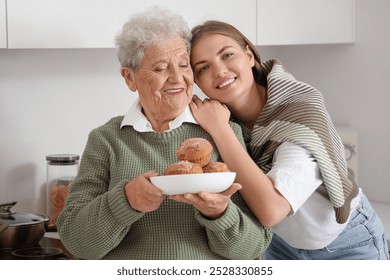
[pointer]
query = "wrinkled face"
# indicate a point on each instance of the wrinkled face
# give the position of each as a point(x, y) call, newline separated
point(164, 80)
point(222, 68)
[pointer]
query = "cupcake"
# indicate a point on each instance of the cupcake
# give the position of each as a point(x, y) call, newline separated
point(196, 150)
point(215, 166)
point(183, 167)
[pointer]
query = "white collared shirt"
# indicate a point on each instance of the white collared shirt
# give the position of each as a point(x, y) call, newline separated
point(135, 118)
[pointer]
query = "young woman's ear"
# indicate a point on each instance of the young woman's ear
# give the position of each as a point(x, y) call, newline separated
point(250, 55)
point(129, 78)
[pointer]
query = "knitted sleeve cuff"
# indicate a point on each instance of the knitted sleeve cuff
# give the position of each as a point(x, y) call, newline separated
point(229, 219)
point(120, 207)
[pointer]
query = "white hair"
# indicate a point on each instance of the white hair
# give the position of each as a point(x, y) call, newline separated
point(152, 26)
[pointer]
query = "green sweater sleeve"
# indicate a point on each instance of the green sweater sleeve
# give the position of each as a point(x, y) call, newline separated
point(100, 213)
point(230, 235)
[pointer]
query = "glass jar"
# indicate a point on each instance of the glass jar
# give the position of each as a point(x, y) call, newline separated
point(61, 170)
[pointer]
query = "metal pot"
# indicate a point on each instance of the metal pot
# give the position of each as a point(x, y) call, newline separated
point(18, 230)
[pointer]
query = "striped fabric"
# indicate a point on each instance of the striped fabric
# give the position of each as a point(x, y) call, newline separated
point(295, 112)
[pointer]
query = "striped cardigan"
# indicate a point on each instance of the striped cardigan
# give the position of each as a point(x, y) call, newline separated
point(295, 112)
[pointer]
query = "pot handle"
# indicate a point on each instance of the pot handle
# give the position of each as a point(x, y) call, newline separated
point(5, 208)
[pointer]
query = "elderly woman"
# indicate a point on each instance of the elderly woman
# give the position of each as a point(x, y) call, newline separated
point(113, 210)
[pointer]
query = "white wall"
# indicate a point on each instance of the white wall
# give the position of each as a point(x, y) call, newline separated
point(51, 99)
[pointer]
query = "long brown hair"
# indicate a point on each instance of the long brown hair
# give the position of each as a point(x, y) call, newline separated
point(225, 29)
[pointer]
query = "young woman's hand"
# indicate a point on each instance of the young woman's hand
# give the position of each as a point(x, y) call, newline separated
point(210, 114)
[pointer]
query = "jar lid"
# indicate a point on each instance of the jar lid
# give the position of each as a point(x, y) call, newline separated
point(62, 158)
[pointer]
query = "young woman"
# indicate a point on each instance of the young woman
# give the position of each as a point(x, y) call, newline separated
point(295, 175)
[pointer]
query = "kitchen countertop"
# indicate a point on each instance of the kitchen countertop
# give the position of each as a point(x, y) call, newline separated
point(56, 243)
point(52, 234)
point(46, 244)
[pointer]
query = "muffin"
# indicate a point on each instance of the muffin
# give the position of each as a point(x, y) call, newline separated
point(196, 150)
point(215, 166)
point(58, 197)
point(183, 167)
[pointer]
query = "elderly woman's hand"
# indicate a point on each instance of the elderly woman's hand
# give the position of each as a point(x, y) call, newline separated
point(211, 205)
point(206, 110)
point(142, 195)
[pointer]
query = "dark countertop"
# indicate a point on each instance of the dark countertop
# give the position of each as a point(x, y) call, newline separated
point(51, 246)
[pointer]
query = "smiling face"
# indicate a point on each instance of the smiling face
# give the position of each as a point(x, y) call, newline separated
point(222, 68)
point(164, 81)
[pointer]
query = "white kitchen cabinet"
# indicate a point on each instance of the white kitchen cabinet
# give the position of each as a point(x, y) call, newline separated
point(241, 14)
point(67, 24)
point(299, 22)
point(94, 23)
point(3, 25)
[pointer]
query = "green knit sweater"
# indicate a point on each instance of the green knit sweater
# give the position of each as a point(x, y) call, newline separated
point(98, 222)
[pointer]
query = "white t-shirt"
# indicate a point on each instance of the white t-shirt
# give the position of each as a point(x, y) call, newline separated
point(312, 222)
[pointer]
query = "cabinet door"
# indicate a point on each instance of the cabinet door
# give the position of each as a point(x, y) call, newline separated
point(292, 22)
point(67, 23)
point(3, 25)
point(241, 15)
point(94, 23)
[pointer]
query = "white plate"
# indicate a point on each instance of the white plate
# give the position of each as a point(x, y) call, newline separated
point(194, 183)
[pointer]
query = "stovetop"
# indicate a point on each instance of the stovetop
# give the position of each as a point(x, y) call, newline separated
point(46, 249)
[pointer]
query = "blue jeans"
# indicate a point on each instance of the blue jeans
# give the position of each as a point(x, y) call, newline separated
point(362, 239)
